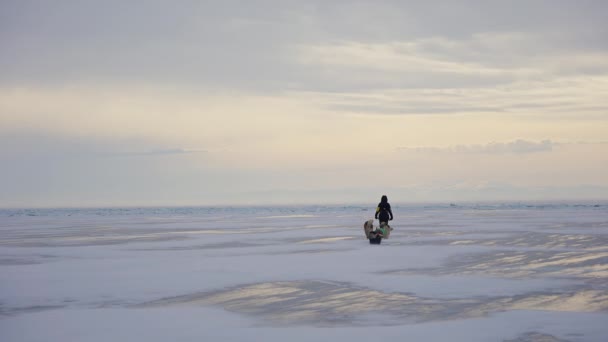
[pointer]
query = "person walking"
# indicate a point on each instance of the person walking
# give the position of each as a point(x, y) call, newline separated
point(383, 211)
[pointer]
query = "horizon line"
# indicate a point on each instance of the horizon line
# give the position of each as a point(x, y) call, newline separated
point(588, 201)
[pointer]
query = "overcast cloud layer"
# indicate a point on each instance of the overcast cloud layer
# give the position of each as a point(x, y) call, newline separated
point(252, 102)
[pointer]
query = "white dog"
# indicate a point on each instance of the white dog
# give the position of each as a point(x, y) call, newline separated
point(368, 227)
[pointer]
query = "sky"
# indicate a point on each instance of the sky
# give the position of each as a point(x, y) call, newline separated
point(146, 103)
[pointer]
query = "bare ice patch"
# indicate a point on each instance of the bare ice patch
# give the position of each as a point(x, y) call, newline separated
point(323, 303)
point(328, 239)
point(523, 240)
point(538, 263)
point(536, 337)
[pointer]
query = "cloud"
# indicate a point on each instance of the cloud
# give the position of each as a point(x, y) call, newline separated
point(30, 145)
point(482, 60)
point(497, 62)
point(161, 152)
point(276, 45)
point(574, 96)
point(518, 146)
point(409, 109)
point(430, 55)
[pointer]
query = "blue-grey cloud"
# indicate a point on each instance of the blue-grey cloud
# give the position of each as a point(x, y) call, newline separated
point(159, 152)
point(32, 145)
point(249, 45)
point(518, 146)
point(405, 110)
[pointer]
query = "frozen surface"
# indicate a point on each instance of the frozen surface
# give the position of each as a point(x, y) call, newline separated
point(501, 272)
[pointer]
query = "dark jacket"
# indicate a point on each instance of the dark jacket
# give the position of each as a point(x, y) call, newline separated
point(383, 211)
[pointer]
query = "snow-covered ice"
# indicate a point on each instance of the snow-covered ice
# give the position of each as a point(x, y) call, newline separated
point(493, 272)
